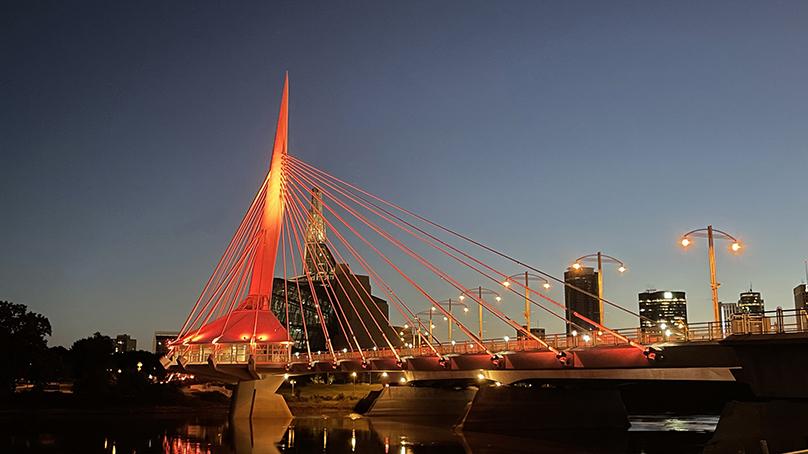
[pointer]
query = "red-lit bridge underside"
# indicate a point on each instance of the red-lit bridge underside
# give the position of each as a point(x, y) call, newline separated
point(691, 362)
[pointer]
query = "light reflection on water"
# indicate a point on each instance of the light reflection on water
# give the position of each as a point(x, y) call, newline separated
point(192, 435)
point(695, 423)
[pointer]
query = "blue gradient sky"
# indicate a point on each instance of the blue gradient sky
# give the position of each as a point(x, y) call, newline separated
point(133, 135)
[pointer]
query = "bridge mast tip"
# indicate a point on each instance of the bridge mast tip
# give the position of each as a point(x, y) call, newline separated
point(283, 119)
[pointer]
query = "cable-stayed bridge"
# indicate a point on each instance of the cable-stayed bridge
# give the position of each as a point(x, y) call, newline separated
point(293, 294)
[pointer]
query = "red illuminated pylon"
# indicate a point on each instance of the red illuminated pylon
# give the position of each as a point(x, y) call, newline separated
point(252, 319)
point(267, 249)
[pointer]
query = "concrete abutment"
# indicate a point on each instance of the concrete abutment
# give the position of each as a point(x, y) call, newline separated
point(518, 409)
point(258, 399)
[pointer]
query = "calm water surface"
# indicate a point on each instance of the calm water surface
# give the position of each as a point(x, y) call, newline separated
point(190, 435)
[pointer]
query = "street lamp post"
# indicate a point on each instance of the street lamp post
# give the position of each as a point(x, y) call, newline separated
point(416, 330)
point(711, 234)
point(448, 303)
point(480, 291)
point(431, 326)
point(600, 258)
point(527, 275)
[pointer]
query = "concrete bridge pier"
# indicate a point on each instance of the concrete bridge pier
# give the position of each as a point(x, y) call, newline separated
point(519, 409)
point(422, 402)
point(776, 369)
point(258, 399)
point(761, 427)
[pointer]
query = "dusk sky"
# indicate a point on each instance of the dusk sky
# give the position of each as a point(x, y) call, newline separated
point(133, 136)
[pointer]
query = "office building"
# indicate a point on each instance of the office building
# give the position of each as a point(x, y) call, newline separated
point(750, 303)
point(582, 283)
point(727, 310)
point(125, 343)
point(801, 305)
point(541, 333)
point(161, 341)
point(662, 308)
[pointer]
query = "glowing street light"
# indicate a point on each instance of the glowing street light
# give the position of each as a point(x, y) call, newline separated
point(527, 275)
point(600, 258)
point(448, 303)
point(712, 234)
point(479, 294)
point(431, 325)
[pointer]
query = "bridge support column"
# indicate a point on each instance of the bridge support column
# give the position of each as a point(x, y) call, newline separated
point(258, 399)
point(773, 426)
point(516, 409)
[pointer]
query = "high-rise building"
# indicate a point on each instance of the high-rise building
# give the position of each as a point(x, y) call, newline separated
point(125, 343)
point(801, 305)
point(662, 308)
point(582, 278)
point(726, 311)
point(336, 299)
point(750, 303)
point(161, 341)
point(541, 333)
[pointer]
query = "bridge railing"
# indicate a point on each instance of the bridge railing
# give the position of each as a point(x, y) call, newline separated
point(235, 353)
point(769, 322)
point(778, 321)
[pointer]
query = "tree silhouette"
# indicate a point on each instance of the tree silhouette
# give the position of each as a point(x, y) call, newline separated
point(23, 345)
point(92, 364)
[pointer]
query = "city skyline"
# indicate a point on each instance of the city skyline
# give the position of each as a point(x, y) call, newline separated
point(125, 186)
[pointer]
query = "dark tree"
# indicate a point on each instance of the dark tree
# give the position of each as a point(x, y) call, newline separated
point(92, 359)
point(138, 370)
point(23, 345)
point(58, 365)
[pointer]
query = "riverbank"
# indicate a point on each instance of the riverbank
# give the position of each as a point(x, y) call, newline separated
point(157, 400)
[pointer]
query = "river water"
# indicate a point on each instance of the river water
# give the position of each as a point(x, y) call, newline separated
point(133, 434)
